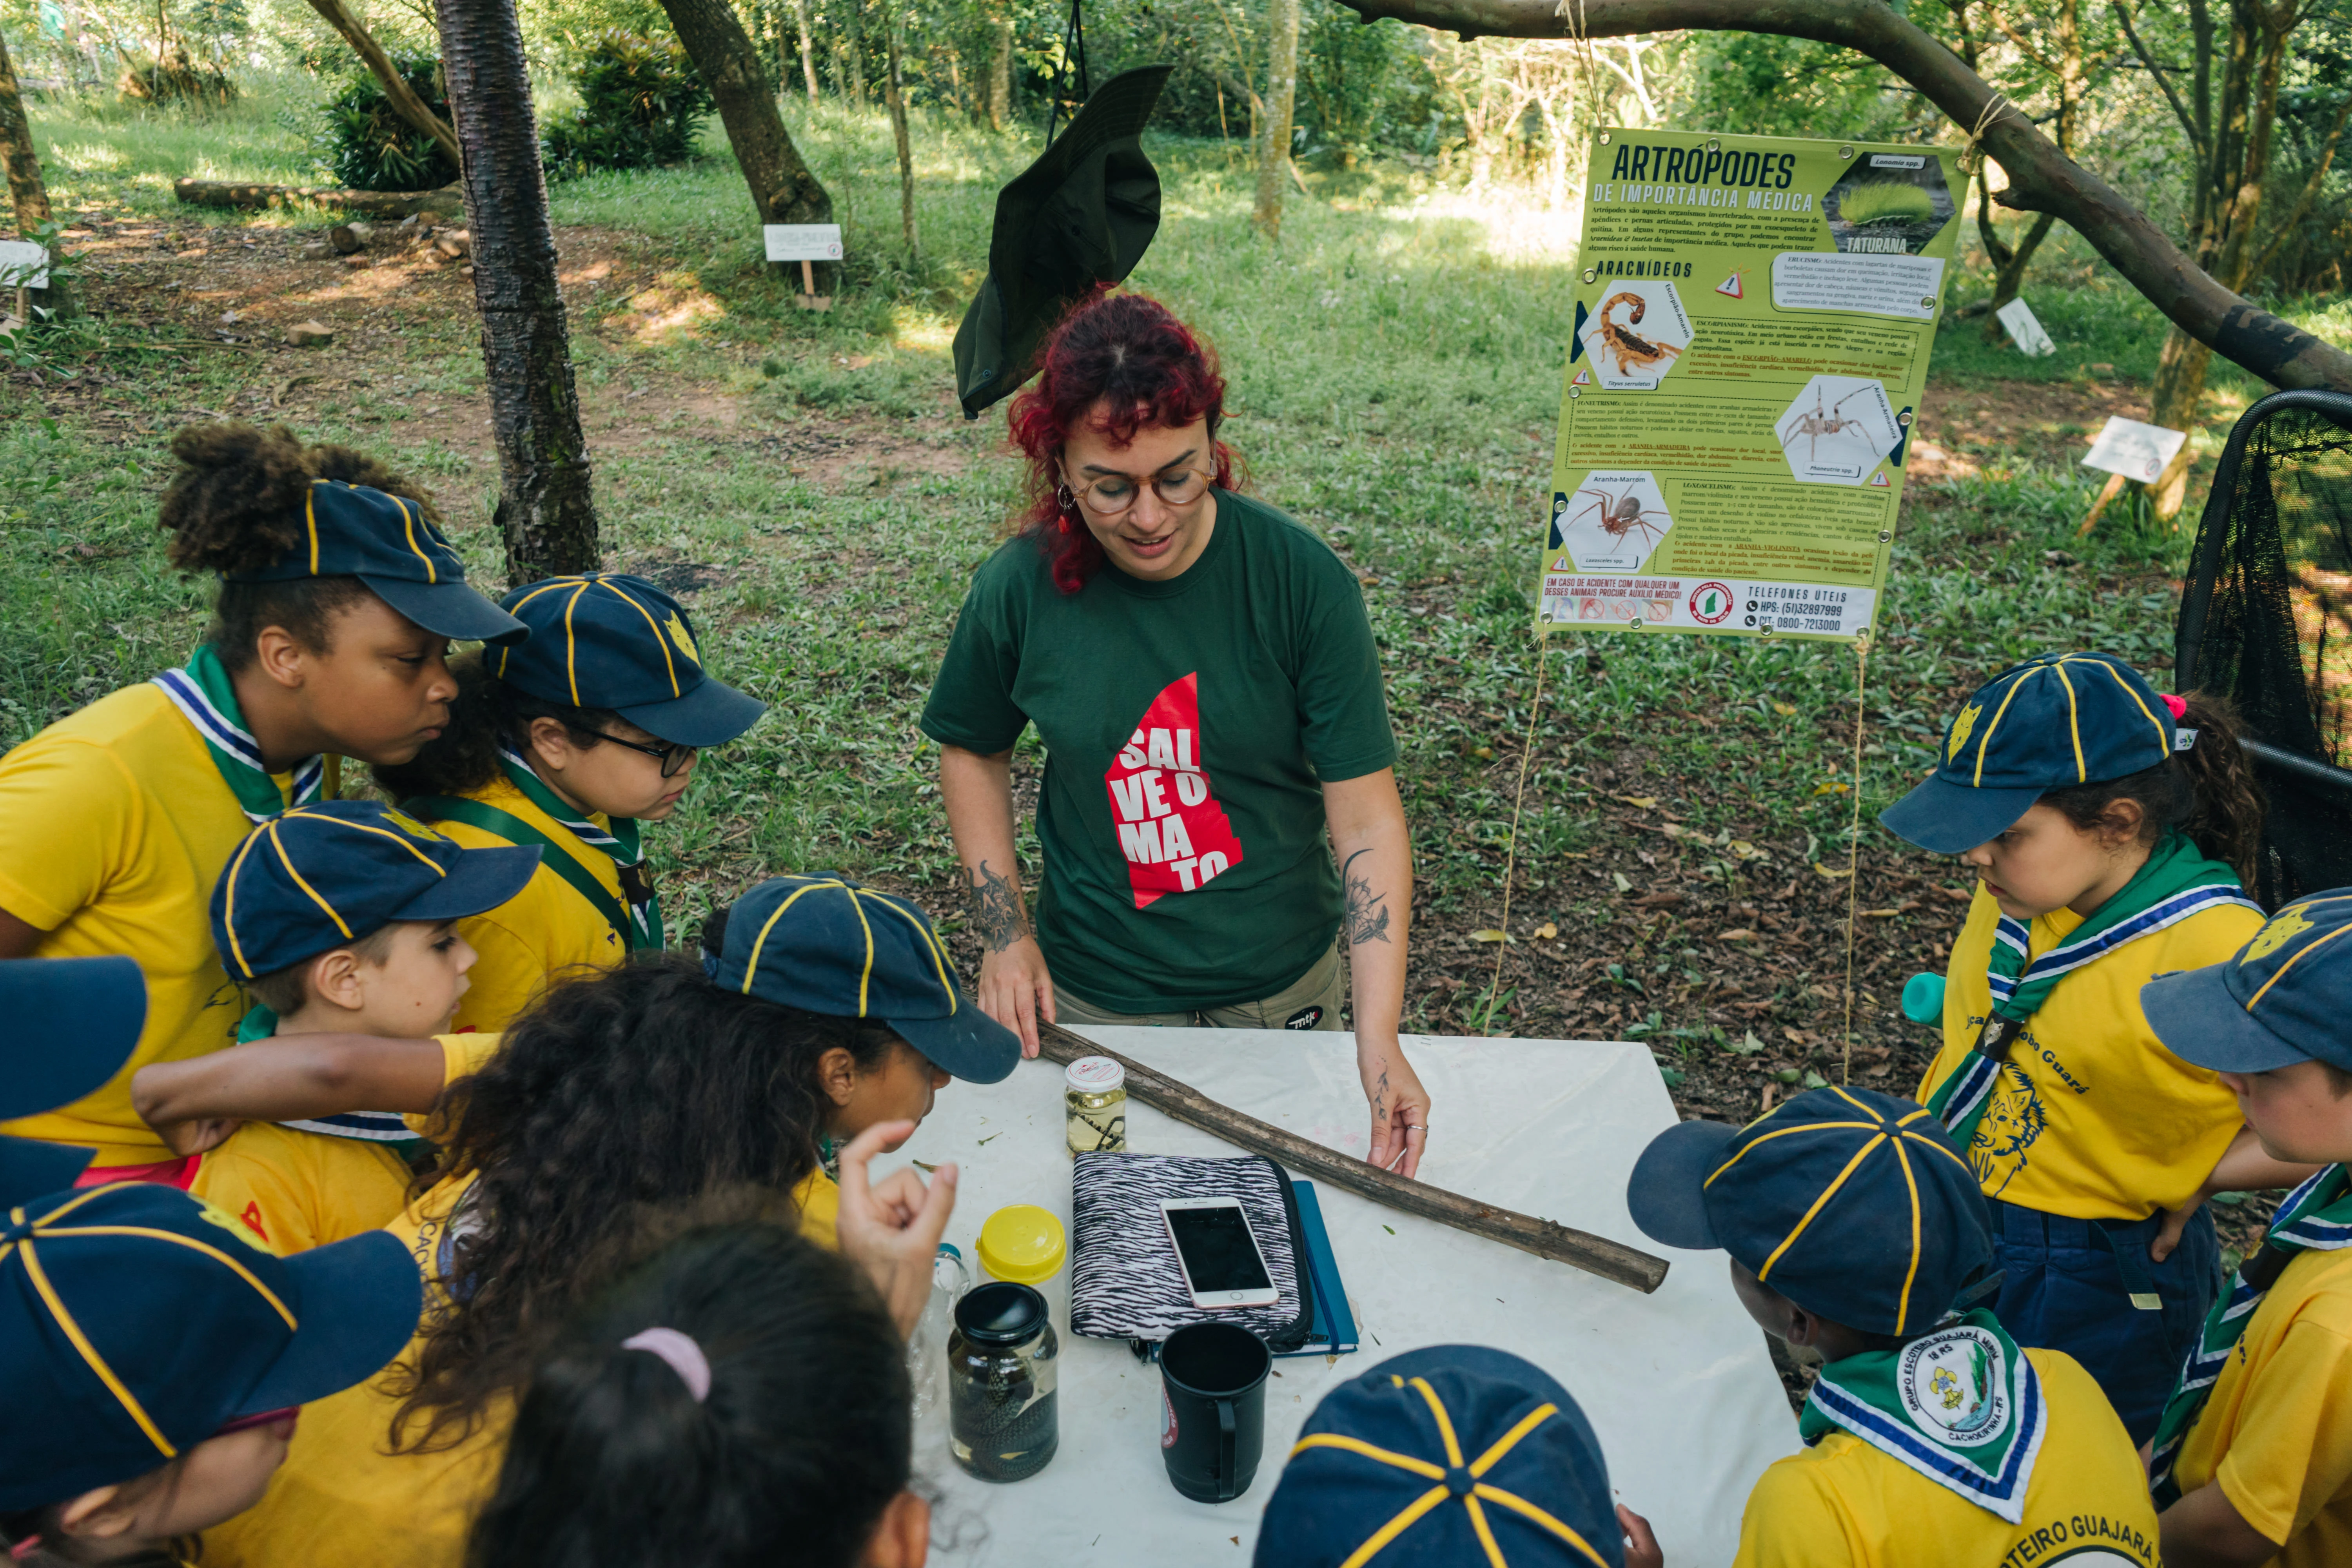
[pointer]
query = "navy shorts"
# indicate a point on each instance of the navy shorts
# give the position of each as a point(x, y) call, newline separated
point(2064, 1288)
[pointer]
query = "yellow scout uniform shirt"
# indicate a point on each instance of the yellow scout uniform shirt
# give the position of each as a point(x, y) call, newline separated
point(2274, 1430)
point(2092, 1118)
point(341, 1500)
point(299, 1190)
point(542, 934)
point(1842, 1503)
point(114, 826)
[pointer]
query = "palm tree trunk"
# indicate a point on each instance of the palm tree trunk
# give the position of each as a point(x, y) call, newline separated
point(545, 510)
point(1281, 95)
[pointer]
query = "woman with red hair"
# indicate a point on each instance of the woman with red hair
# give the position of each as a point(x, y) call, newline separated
point(1218, 811)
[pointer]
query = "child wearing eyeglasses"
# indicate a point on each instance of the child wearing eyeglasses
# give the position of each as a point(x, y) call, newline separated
point(570, 746)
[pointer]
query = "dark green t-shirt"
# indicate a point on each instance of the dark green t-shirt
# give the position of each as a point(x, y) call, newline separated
point(1189, 726)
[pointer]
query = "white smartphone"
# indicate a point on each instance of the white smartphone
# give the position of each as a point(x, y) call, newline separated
point(1215, 1247)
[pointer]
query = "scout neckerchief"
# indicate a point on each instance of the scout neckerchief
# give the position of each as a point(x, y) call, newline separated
point(620, 841)
point(2176, 882)
point(2315, 1217)
point(387, 1127)
point(204, 694)
point(1961, 1406)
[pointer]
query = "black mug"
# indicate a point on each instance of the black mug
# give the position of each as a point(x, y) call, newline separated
point(1213, 1409)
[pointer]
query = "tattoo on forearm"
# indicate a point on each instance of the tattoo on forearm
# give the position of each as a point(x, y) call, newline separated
point(997, 909)
point(1368, 915)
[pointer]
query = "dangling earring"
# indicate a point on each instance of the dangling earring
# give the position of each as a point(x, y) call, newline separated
point(1066, 501)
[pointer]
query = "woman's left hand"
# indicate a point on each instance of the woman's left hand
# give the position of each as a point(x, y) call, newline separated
point(1399, 1106)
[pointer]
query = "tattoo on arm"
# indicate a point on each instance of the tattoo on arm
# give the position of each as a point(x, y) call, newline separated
point(1368, 916)
point(997, 909)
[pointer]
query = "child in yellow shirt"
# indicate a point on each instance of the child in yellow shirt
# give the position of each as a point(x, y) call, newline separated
point(2253, 1462)
point(572, 742)
point(341, 920)
point(2104, 823)
point(1932, 1435)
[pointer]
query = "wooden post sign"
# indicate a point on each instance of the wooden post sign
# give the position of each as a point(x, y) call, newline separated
point(805, 242)
point(23, 267)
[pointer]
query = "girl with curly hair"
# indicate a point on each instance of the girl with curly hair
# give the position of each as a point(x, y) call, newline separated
point(621, 1101)
point(1219, 812)
point(338, 600)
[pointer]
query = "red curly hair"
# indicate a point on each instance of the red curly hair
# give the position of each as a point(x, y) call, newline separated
point(1127, 352)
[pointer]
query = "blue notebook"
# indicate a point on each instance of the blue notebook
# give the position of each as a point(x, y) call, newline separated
point(1334, 1333)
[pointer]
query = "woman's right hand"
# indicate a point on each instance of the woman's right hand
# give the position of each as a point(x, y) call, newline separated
point(1017, 989)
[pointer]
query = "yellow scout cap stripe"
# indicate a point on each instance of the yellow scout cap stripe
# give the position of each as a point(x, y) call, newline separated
point(1527, 1510)
point(571, 645)
point(368, 827)
point(2117, 677)
point(506, 648)
point(1445, 1424)
point(1403, 1521)
point(89, 1352)
point(287, 861)
point(752, 963)
point(653, 625)
point(1510, 1440)
point(2073, 721)
point(931, 945)
point(1929, 1141)
point(1765, 1138)
point(192, 1245)
point(865, 976)
point(1910, 1274)
point(228, 904)
point(1827, 1193)
point(310, 517)
point(409, 523)
point(1357, 1446)
point(1485, 1536)
point(2255, 1000)
point(2006, 698)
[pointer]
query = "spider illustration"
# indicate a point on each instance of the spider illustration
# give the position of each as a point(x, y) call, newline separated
point(1622, 514)
point(1814, 425)
point(1629, 349)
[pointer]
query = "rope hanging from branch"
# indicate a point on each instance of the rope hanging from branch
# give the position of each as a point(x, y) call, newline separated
point(1074, 54)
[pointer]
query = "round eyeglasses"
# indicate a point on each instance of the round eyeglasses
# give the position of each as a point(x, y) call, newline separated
point(1114, 495)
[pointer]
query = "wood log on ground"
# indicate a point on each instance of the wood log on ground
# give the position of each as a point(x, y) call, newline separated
point(350, 239)
point(1543, 1237)
point(251, 197)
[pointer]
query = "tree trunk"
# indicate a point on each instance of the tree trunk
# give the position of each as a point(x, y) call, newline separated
point(856, 36)
point(783, 189)
point(2042, 179)
point(1281, 97)
point(405, 102)
point(2009, 269)
point(1000, 67)
point(545, 510)
point(808, 49)
point(27, 193)
point(895, 90)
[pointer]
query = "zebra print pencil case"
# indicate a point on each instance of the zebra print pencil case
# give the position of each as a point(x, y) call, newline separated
point(1125, 1282)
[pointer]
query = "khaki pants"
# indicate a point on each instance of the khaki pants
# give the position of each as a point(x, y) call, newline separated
point(1310, 1001)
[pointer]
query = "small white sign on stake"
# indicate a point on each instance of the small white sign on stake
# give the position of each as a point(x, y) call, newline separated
point(2024, 331)
point(805, 242)
point(2135, 450)
point(24, 266)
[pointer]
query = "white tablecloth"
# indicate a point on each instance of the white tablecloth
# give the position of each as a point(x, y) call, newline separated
point(1678, 1384)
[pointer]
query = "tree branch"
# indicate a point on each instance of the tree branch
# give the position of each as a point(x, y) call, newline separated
point(405, 101)
point(2042, 179)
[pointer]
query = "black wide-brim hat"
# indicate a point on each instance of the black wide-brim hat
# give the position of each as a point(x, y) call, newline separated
point(1082, 215)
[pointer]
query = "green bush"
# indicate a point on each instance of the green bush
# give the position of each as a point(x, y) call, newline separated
point(640, 99)
point(366, 145)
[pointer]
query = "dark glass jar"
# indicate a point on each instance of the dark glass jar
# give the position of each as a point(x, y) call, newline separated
point(1001, 1421)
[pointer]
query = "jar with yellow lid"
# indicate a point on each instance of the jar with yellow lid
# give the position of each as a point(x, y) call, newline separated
point(1094, 1095)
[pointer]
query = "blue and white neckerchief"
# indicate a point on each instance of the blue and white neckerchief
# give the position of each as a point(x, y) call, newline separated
point(1961, 1406)
point(365, 1126)
point(205, 697)
point(622, 843)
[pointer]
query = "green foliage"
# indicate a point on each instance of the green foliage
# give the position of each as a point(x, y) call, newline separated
point(640, 102)
point(175, 80)
point(1359, 85)
point(365, 143)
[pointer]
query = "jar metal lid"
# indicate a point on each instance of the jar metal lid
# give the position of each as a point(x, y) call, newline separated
point(1001, 1313)
point(1094, 1075)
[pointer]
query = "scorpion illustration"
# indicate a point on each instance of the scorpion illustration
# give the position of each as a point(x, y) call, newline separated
point(1622, 514)
point(1628, 347)
point(1814, 425)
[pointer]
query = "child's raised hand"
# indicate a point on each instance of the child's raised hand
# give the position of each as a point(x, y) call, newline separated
point(1641, 1549)
point(892, 1228)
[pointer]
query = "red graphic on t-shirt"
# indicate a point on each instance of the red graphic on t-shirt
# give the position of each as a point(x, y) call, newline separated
point(1171, 829)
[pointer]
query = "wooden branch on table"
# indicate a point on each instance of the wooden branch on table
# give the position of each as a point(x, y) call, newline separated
point(1544, 1237)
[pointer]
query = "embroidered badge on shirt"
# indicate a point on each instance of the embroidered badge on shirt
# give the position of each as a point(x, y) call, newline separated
point(1171, 829)
point(1952, 1386)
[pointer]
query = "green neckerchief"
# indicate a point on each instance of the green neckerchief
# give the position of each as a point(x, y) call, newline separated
point(1961, 1406)
point(2315, 1217)
point(2177, 882)
point(388, 1128)
point(619, 840)
point(205, 697)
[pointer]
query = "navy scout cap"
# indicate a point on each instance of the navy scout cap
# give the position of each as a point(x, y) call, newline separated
point(830, 945)
point(1850, 1203)
point(386, 541)
point(2282, 999)
point(1452, 1455)
point(607, 640)
point(73, 1024)
point(333, 872)
point(2054, 721)
point(138, 1320)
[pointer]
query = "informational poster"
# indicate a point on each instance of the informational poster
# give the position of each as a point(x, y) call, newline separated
point(1753, 318)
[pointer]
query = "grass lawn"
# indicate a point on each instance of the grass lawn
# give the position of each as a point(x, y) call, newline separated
point(805, 480)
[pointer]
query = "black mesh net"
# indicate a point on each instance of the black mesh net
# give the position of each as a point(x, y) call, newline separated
point(2266, 619)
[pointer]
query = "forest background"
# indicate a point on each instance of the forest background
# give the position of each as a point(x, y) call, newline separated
point(1683, 862)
